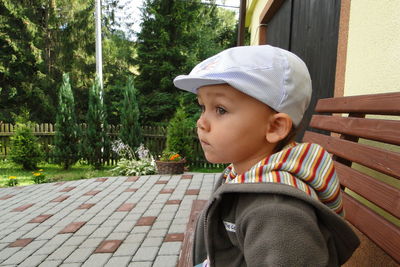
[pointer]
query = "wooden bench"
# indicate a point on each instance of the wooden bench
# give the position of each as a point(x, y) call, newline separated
point(370, 142)
point(366, 153)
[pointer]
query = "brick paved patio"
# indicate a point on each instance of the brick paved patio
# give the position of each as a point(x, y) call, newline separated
point(114, 221)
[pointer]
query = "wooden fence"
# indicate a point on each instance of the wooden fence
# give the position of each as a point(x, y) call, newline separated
point(154, 139)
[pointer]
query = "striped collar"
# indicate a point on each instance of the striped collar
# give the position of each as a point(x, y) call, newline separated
point(305, 166)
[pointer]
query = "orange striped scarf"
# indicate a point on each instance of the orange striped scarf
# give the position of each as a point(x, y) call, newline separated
point(305, 166)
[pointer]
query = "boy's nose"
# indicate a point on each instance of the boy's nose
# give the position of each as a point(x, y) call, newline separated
point(203, 124)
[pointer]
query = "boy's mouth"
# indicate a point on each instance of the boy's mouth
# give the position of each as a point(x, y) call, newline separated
point(204, 142)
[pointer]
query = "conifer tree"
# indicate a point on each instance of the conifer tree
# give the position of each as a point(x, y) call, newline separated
point(179, 139)
point(96, 146)
point(66, 136)
point(130, 132)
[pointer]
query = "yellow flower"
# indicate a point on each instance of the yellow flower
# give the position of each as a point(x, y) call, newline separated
point(12, 177)
point(41, 170)
point(37, 174)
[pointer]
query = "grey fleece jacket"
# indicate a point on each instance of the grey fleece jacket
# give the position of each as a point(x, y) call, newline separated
point(270, 224)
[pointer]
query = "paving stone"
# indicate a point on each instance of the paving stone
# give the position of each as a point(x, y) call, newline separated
point(132, 179)
point(18, 257)
point(102, 232)
point(61, 253)
point(50, 263)
point(23, 207)
point(146, 221)
point(170, 248)
point(118, 261)
point(36, 232)
point(135, 238)
point(145, 254)
point(173, 202)
point(152, 242)
point(166, 261)
point(140, 264)
point(174, 237)
point(97, 260)
point(72, 227)
point(79, 255)
point(91, 243)
point(86, 230)
point(75, 240)
point(60, 199)
point(126, 207)
point(34, 260)
point(92, 193)
point(127, 249)
point(21, 242)
point(67, 189)
point(157, 233)
point(5, 197)
point(108, 246)
point(86, 206)
point(117, 236)
point(40, 218)
point(8, 252)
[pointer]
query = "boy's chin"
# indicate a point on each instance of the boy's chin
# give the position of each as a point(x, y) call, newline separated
point(215, 160)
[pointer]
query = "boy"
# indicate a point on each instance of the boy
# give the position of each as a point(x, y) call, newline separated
point(278, 203)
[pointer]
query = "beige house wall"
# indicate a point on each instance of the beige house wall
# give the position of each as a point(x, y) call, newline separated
point(373, 48)
point(253, 12)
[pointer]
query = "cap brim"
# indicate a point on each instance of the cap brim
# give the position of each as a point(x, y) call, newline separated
point(191, 83)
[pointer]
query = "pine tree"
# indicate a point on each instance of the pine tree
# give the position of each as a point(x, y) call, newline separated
point(175, 35)
point(66, 137)
point(130, 128)
point(96, 146)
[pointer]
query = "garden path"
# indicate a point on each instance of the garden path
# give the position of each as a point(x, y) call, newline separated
point(110, 221)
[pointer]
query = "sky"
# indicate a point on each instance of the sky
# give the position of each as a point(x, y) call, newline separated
point(132, 8)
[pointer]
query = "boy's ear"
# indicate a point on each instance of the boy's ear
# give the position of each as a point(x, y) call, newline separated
point(279, 127)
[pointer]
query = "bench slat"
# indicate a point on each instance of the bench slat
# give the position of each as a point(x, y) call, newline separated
point(377, 159)
point(383, 104)
point(185, 257)
point(382, 232)
point(379, 193)
point(374, 129)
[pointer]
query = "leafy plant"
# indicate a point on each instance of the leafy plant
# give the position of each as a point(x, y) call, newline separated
point(25, 149)
point(139, 163)
point(39, 177)
point(12, 181)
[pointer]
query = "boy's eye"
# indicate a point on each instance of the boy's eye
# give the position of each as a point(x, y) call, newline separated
point(221, 111)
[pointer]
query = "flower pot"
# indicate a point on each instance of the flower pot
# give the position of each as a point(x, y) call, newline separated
point(170, 167)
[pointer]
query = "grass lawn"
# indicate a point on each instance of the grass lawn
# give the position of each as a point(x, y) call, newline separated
point(54, 173)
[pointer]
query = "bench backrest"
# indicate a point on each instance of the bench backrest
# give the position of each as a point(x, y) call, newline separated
point(373, 142)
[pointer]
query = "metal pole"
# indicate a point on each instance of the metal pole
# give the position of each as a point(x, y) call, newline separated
point(99, 59)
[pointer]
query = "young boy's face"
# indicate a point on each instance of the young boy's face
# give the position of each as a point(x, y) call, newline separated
point(233, 126)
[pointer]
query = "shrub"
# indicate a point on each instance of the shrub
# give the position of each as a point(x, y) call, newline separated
point(179, 137)
point(25, 149)
point(12, 181)
point(66, 137)
point(39, 177)
point(96, 145)
point(130, 132)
